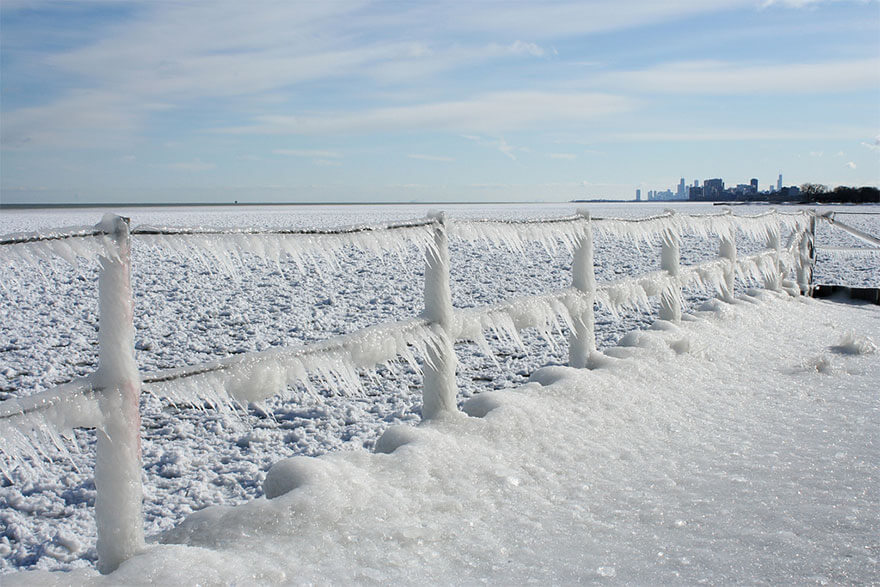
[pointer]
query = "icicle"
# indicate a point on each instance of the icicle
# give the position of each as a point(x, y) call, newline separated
point(29, 426)
point(228, 248)
point(515, 236)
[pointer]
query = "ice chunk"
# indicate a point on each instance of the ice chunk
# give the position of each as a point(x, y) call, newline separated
point(855, 344)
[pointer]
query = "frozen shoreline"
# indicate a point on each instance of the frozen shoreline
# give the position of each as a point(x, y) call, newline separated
point(185, 313)
point(685, 456)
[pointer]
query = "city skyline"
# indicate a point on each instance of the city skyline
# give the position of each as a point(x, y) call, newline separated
point(382, 101)
point(683, 189)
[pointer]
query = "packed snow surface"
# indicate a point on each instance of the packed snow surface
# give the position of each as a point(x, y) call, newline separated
point(740, 446)
point(197, 303)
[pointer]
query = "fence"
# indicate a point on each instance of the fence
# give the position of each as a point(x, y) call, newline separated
point(109, 399)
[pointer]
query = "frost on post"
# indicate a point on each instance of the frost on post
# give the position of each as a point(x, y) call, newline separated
point(118, 505)
point(439, 391)
point(727, 251)
point(583, 339)
point(670, 258)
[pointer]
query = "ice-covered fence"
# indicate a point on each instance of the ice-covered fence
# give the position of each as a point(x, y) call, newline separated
point(108, 399)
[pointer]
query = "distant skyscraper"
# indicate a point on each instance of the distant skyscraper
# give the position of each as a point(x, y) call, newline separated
point(638, 195)
point(713, 189)
point(681, 194)
point(754, 184)
point(779, 183)
point(696, 183)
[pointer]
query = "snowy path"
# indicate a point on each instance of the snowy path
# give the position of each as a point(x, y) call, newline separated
point(741, 446)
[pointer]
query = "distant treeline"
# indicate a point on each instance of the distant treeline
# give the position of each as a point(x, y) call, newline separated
point(816, 192)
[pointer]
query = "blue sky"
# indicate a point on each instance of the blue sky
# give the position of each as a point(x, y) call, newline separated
point(161, 101)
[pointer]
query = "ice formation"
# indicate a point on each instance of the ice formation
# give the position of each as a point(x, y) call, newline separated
point(253, 377)
point(336, 362)
point(226, 249)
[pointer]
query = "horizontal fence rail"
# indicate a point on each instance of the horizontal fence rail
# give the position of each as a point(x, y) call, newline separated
point(108, 399)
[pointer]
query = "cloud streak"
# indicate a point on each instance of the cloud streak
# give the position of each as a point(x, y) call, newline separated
point(439, 158)
point(488, 113)
point(723, 78)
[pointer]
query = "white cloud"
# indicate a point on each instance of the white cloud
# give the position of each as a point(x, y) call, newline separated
point(742, 134)
point(308, 153)
point(488, 113)
point(873, 145)
point(81, 116)
point(791, 3)
point(523, 48)
point(716, 77)
point(566, 156)
point(541, 20)
point(851, 165)
point(196, 165)
point(501, 144)
point(430, 157)
point(507, 149)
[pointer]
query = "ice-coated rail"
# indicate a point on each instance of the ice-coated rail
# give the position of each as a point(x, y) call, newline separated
point(108, 400)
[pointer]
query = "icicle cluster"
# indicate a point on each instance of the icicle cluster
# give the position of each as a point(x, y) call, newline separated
point(71, 244)
point(334, 363)
point(516, 235)
point(227, 248)
point(635, 292)
point(723, 225)
point(31, 428)
point(547, 313)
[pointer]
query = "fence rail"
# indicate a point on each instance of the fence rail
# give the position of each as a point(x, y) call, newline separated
point(108, 399)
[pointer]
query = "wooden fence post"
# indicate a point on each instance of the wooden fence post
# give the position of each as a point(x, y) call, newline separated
point(119, 500)
point(670, 260)
point(727, 250)
point(439, 388)
point(583, 277)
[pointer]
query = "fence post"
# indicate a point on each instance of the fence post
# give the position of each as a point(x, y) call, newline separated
point(727, 251)
point(670, 258)
point(583, 277)
point(806, 258)
point(119, 499)
point(774, 281)
point(439, 390)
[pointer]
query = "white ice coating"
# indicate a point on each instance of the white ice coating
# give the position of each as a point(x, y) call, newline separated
point(439, 388)
point(547, 313)
point(583, 278)
point(72, 248)
point(670, 260)
point(31, 427)
point(514, 236)
point(756, 227)
point(119, 495)
point(253, 377)
point(226, 249)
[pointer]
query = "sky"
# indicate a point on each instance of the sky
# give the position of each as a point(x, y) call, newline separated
point(463, 100)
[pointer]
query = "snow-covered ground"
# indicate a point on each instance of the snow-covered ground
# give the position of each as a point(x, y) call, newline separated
point(620, 437)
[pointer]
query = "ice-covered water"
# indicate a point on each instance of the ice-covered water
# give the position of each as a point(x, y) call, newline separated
point(188, 311)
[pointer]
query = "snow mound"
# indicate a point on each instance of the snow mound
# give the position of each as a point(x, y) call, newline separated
point(289, 474)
